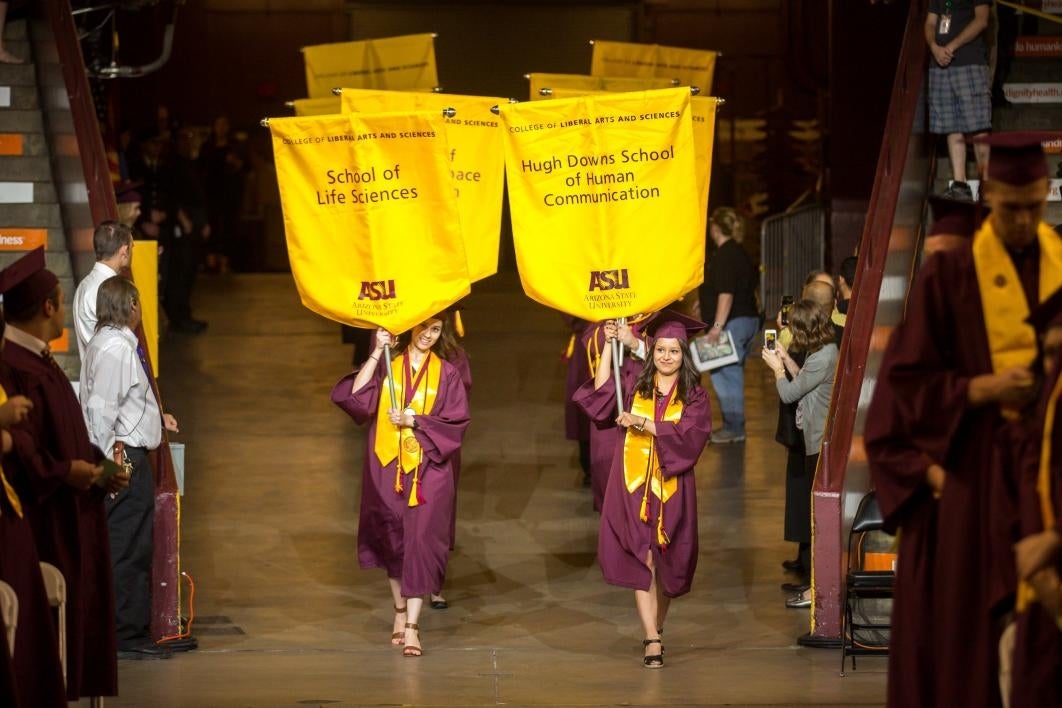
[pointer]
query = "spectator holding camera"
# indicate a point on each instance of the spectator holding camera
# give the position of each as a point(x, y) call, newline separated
point(811, 387)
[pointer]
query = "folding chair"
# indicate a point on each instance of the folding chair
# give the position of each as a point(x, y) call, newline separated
point(55, 587)
point(862, 584)
point(9, 611)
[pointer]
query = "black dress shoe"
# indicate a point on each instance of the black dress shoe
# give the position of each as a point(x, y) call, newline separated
point(795, 587)
point(144, 652)
point(793, 566)
point(175, 645)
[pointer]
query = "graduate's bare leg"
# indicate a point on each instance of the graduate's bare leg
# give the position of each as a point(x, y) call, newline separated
point(646, 601)
point(414, 605)
point(398, 629)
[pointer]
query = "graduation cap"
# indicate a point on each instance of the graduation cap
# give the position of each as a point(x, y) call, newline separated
point(126, 192)
point(954, 217)
point(669, 324)
point(1016, 158)
point(1047, 314)
point(26, 282)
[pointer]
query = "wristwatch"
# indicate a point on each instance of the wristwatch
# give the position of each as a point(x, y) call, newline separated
point(717, 325)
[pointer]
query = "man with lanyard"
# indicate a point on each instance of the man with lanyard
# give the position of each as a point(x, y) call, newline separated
point(954, 375)
point(960, 101)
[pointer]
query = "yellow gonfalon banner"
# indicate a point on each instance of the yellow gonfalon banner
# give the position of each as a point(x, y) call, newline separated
point(593, 83)
point(694, 67)
point(374, 237)
point(397, 63)
point(329, 105)
point(477, 163)
point(702, 112)
point(604, 203)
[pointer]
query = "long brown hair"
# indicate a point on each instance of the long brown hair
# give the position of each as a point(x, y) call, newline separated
point(811, 326)
point(114, 302)
point(688, 377)
point(446, 346)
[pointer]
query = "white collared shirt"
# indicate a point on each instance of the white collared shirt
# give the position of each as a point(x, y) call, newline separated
point(85, 303)
point(24, 339)
point(116, 396)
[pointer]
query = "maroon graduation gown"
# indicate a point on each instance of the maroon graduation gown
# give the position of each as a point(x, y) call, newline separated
point(69, 526)
point(624, 541)
point(944, 640)
point(603, 435)
point(34, 676)
point(576, 424)
point(460, 361)
point(386, 520)
point(1036, 670)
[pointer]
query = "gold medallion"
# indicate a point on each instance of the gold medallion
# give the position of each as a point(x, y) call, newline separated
point(410, 445)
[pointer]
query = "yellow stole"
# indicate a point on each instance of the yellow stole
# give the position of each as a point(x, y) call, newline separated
point(9, 491)
point(641, 466)
point(1026, 592)
point(400, 443)
point(593, 350)
point(1011, 341)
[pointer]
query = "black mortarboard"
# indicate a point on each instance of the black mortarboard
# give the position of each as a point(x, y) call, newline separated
point(955, 217)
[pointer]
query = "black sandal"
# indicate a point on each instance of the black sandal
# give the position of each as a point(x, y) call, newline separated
point(440, 604)
point(653, 661)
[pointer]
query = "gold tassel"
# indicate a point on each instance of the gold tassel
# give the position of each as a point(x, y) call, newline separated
point(661, 535)
point(459, 326)
point(571, 347)
point(398, 478)
point(643, 512)
point(414, 492)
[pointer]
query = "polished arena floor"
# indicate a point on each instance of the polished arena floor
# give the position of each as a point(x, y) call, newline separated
point(285, 618)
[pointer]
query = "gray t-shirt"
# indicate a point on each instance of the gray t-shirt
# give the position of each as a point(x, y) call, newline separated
point(962, 14)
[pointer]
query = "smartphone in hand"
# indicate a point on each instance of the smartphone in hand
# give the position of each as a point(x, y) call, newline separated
point(770, 339)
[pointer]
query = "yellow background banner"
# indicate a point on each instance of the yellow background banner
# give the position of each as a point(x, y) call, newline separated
point(396, 63)
point(328, 105)
point(145, 267)
point(604, 202)
point(373, 231)
point(586, 83)
point(695, 67)
point(477, 163)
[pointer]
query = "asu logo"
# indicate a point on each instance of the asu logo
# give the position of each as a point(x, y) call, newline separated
point(377, 290)
point(609, 280)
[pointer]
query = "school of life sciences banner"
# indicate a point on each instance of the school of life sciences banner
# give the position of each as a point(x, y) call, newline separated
point(604, 201)
point(694, 67)
point(396, 63)
point(477, 164)
point(374, 237)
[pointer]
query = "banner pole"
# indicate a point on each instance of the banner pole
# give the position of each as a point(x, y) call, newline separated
point(390, 378)
point(621, 321)
point(616, 348)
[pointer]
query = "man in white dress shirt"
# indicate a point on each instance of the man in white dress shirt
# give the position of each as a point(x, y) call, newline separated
point(113, 243)
point(125, 421)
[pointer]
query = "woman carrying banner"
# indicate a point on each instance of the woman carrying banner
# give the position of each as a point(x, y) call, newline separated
point(407, 499)
point(648, 537)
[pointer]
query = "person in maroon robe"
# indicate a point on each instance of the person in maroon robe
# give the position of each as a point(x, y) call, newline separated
point(576, 424)
point(451, 350)
point(938, 442)
point(56, 470)
point(1036, 667)
point(34, 676)
point(603, 435)
point(405, 518)
point(648, 536)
